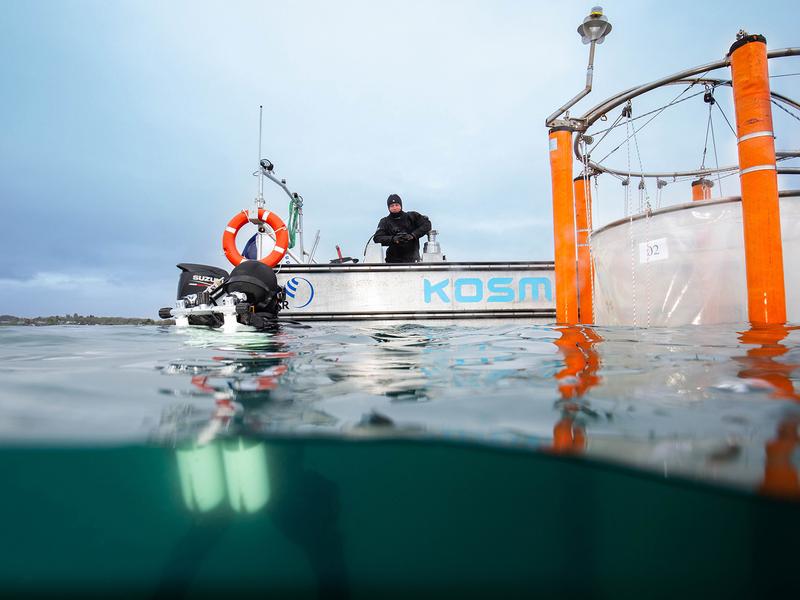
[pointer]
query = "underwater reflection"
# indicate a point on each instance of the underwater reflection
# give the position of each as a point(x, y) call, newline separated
point(581, 363)
point(227, 472)
point(224, 480)
point(759, 363)
point(781, 477)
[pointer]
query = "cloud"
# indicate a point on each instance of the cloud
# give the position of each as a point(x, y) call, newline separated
point(56, 282)
point(497, 225)
point(47, 293)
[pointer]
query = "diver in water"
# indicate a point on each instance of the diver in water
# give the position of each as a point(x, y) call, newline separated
point(400, 231)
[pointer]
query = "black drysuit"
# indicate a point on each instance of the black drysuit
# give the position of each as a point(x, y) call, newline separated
point(403, 222)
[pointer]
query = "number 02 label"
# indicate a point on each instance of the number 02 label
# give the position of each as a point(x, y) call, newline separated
point(653, 250)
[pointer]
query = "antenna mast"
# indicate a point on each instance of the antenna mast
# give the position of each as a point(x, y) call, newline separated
point(260, 196)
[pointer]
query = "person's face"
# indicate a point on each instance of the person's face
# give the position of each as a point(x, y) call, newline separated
point(395, 208)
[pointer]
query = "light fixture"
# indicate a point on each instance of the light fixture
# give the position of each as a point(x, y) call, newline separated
point(595, 27)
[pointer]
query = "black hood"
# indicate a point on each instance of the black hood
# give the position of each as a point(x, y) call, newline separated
point(394, 199)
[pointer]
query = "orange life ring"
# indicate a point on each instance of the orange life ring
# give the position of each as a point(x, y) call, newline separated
point(271, 219)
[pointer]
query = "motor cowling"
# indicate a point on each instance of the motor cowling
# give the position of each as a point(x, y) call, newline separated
point(196, 278)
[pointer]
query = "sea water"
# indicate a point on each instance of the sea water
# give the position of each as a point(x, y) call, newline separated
point(358, 459)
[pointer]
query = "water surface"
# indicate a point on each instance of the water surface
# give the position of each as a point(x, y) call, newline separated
point(347, 459)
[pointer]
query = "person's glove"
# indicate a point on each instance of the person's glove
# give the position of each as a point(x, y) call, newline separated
point(403, 238)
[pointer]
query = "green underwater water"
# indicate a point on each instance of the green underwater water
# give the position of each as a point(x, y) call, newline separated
point(360, 460)
point(369, 518)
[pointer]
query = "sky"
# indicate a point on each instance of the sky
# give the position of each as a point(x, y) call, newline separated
point(130, 129)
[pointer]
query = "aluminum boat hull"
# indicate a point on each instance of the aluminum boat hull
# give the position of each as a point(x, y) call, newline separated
point(419, 291)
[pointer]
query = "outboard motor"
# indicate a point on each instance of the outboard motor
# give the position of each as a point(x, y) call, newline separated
point(208, 296)
point(195, 286)
point(198, 278)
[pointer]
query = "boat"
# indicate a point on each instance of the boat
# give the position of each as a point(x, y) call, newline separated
point(275, 279)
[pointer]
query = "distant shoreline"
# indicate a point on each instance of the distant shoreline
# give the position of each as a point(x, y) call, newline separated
point(76, 319)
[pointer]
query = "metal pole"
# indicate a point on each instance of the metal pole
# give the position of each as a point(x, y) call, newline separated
point(260, 197)
point(314, 248)
point(584, 92)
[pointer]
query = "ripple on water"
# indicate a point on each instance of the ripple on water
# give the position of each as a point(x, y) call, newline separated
point(703, 402)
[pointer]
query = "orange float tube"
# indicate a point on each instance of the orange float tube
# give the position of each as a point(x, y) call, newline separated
point(566, 271)
point(583, 225)
point(238, 221)
point(701, 189)
point(763, 250)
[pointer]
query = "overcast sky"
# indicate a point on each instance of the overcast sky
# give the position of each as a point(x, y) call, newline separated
point(130, 129)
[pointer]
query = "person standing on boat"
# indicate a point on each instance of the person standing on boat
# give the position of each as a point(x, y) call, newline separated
point(400, 231)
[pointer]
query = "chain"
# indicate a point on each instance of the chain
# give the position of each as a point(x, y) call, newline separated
point(647, 264)
point(588, 208)
point(591, 226)
point(629, 214)
point(642, 184)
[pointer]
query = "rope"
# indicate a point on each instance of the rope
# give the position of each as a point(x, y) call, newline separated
point(629, 214)
point(589, 227)
point(294, 220)
point(716, 158)
point(786, 110)
point(647, 286)
point(642, 184)
point(705, 144)
point(733, 131)
point(643, 115)
point(658, 111)
point(644, 206)
point(784, 75)
point(606, 131)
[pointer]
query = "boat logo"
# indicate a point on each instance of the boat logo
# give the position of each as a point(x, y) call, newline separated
point(299, 291)
point(495, 289)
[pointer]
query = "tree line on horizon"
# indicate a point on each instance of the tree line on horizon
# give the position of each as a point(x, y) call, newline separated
point(76, 319)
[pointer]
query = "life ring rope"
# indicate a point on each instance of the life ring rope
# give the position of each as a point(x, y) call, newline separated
point(264, 216)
